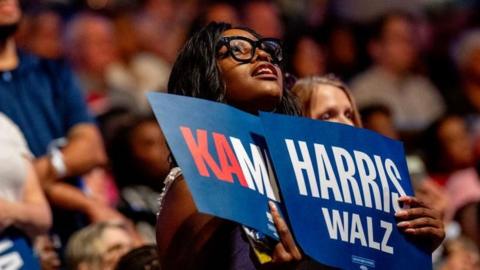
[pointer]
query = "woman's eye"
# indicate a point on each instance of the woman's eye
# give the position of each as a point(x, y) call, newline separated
point(239, 49)
point(325, 116)
point(236, 49)
point(349, 115)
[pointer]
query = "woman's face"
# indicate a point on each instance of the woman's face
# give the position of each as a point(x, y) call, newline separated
point(115, 243)
point(456, 142)
point(150, 149)
point(254, 85)
point(309, 58)
point(330, 103)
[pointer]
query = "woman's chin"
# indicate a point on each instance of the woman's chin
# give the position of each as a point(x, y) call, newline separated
point(269, 103)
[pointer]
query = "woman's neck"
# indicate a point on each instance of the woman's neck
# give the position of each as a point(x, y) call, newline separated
point(8, 55)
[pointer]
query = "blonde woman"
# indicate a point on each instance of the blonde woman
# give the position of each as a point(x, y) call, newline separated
point(327, 98)
point(99, 246)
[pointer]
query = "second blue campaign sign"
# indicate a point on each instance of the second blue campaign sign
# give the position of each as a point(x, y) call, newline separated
point(340, 186)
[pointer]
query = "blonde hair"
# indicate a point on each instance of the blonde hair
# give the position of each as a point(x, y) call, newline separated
point(85, 246)
point(303, 90)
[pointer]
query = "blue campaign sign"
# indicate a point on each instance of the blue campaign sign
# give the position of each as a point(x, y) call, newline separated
point(340, 186)
point(223, 156)
point(16, 253)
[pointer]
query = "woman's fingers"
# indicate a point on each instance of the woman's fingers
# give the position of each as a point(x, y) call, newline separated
point(418, 219)
point(418, 212)
point(280, 254)
point(412, 201)
point(286, 238)
point(426, 231)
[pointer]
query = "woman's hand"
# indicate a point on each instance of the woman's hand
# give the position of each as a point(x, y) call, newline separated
point(98, 212)
point(286, 251)
point(422, 222)
point(433, 195)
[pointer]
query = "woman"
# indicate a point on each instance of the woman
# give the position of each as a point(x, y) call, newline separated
point(139, 161)
point(24, 211)
point(140, 258)
point(99, 246)
point(238, 67)
point(327, 98)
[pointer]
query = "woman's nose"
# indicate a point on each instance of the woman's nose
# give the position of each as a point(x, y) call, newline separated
point(262, 55)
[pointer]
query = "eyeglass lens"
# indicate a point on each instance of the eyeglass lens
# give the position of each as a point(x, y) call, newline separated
point(244, 50)
point(241, 49)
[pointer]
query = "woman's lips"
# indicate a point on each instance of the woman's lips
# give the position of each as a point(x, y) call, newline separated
point(265, 70)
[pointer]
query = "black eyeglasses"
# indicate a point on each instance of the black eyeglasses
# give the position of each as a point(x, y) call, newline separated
point(243, 49)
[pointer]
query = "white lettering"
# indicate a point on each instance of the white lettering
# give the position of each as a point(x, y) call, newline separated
point(300, 166)
point(335, 224)
point(356, 231)
point(368, 179)
point(9, 261)
point(371, 241)
point(385, 186)
point(394, 177)
point(326, 176)
point(345, 174)
point(255, 172)
point(388, 231)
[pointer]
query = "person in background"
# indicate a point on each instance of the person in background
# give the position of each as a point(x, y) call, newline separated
point(140, 160)
point(44, 28)
point(42, 99)
point(466, 54)
point(24, 211)
point(327, 98)
point(98, 246)
point(264, 16)
point(378, 117)
point(466, 98)
point(141, 258)
point(148, 72)
point(447, 148)
point(459, 253)
point(162, 29)
point(414, 101)
point(46, 250)
point(92, 50)
point(463, 189)
point(308, 57)
point(342, 51)
point(221, 12)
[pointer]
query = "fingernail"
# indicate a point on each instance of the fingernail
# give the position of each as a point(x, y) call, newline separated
point(403, 224)
point(400, 213)
point(272, 206)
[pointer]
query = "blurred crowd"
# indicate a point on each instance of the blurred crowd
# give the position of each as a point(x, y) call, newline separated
point(413, 68)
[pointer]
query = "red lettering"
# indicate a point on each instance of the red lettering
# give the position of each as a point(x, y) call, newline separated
point(228, 160)
point(200, 154)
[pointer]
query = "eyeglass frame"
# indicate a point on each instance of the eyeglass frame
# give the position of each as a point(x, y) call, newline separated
point(256, 44)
